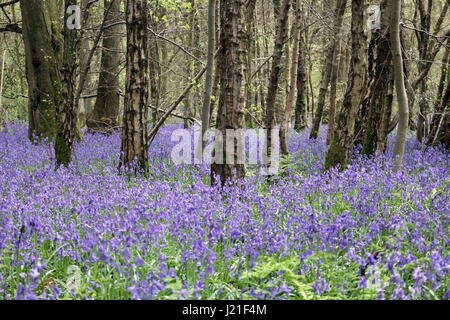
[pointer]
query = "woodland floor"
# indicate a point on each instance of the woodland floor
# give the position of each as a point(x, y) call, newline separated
point(87, 232)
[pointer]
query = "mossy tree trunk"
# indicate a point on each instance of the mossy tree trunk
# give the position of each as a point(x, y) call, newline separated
point(343, 136)
point(43, 56)
point(50, 67)
point(380, 92)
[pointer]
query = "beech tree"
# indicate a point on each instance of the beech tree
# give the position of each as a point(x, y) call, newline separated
point(403, 110)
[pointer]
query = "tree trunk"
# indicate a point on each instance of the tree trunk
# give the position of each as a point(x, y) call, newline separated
point(343, 136)
point(250, 12)
point(43, 56)
point(230, 113)
point(400, 141)
point(300, 104)
point(275, 73)
point(84, 106)
point(444, 132)
point(439, 106)
point(106, 108)
point(215, 86)
point(66, 116)
point(191, 68)
point(209, 71)
point(1, 89)
point(380, 99)
point(134, 133)
point(293, 82)
point(326, 75)
point(423, 44)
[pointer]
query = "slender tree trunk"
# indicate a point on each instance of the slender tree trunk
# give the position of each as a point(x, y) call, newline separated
point(250, 12)
point(439, 106)
point(403, 110)
point(293, 82)
point(106, 108)
point(444, 131)
point(343, 136)
point(326, 75)
point(134, 132)
point(333, 93)
point(281, 107)
point(301, 103)
point(215, 87)
point(230, 113)
point(66, 117)
point(423, 44)
point(209, 70)
point(275, 73)
point(1, 89)
point(84, 107)
point(154, 69)
point(193, 67)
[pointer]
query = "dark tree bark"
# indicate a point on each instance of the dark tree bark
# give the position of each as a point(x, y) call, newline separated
point(230, 113)
point(50, 64)
point(293, 82)
point(343, 136)
point(300, 104)
point(326, 74)
point(380, 91)
point(251, 50)
point(106, 108)
point(275, 73)
point(439, 106)
point(444, 132)
point(134, 132)
point(66, 116)
point(423, 44)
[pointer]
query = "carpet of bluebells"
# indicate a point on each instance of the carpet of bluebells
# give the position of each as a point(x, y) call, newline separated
point(87, 232)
